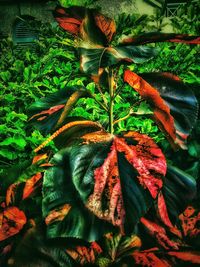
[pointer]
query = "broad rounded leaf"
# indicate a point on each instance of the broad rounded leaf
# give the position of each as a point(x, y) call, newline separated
point(108, 179)
point(154, 37)
point(179, 189)
point(89, 24)
point(12, 221)
point(93, 59)
point(174, 105)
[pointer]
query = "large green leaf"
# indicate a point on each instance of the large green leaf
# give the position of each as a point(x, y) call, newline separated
point(105, 180)
point(179, 189)
point(92, 59)
point(59, 190)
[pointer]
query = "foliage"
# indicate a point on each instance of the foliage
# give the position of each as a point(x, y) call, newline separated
point(108, 197)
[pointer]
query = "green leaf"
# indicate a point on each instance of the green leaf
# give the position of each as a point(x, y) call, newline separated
point(17, 141)
point(101, 182)
point(6, 153)
point(95, 58)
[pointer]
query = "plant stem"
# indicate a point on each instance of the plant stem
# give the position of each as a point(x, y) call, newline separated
point(111, 104)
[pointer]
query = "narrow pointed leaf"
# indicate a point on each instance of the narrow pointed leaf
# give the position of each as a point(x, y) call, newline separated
point(85, 255)
point(159, 233)
point(70, 132)
point(32, 184)
point(46, 113)
point(154, 37)
point(174, 105)
point(149, 258)
point(12, 221)
point(188, 256)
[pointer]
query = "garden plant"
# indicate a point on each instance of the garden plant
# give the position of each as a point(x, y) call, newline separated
point(107, 197)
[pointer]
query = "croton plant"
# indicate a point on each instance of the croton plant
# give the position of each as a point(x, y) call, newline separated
point(105, 199)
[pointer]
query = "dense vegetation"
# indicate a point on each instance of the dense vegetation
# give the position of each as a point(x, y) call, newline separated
point(52, 66)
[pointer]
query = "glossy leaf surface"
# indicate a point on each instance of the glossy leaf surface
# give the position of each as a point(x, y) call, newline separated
point(116, 179)
point(93, 59)
point(175, 106)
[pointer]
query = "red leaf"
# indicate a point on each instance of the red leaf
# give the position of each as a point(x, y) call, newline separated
point(145, 157)
point(106, 25)
point(69, 19)
point(148, 258)
point(162, 211)
point(72, 19)
point(12, 221)
point(154, 37)
point(85, 255)
point(160, 234)
point(46, 113)
point(161, 111)
point(189, 219)
point(193, 257)
point(31, 185)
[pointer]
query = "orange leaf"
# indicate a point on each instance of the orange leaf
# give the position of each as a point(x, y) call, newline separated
point(12, 221)
point(161, 111)
point(31, 185)
point(58, 214)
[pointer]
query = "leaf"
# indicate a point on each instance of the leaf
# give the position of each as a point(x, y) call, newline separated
point(188, 256)
point(159, 233)
point(111, 178)
point(50, 112)
point(189, 222)
point(93, 59)
point(179, 189)
point(175, 106)
point(12, 221)
point(69, 19)
point(70, 132)
point(31, 185)
point(91, 25)
point(59, 192)
point(85, 255)
point(149, 258)
point(34, 249)
point(154, 37)
point(16, 141)
point(14, 194)
point(117, 246)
